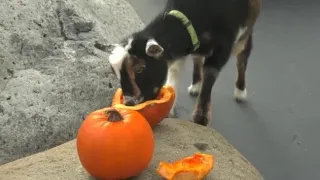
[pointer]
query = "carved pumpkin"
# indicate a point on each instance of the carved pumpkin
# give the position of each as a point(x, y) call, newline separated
point(154, 110)
point(115, 143)
point(195, 167)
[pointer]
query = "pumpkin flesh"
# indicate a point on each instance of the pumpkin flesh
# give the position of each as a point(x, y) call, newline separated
point(154, 110)
point(195, 167)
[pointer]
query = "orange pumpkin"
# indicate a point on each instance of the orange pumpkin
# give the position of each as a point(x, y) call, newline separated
point(154, 110)
point(115, 143)
point(195, 167)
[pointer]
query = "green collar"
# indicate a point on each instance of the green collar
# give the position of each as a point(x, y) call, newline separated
point(189, 26)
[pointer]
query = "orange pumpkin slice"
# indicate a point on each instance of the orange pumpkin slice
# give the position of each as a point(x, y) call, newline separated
point(194, 167)
point(154, 111)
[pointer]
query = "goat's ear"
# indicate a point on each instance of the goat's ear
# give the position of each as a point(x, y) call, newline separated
point(153, 49)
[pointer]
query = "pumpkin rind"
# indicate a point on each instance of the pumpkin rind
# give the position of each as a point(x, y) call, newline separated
point(118, 149)
point(195, 167)
point(154, 110)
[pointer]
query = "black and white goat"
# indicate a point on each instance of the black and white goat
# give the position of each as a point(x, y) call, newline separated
point(208, 30)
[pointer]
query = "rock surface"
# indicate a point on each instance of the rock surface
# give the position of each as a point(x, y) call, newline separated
point(62, 162)
point(51, 74)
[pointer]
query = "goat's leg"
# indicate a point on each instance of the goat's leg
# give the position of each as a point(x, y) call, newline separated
point(197, 75)
point(202, 111)
point(211, 69)
point(240, 92)
point(175, 69)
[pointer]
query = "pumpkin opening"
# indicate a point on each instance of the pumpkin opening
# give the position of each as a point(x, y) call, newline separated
point(113, 115)
point(153, 110)
point(166, 93)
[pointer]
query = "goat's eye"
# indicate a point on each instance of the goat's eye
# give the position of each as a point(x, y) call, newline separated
point(139, 68)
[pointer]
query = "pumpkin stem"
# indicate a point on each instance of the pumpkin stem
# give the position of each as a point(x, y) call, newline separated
point(114, 115)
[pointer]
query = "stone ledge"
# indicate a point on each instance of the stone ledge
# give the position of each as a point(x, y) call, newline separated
point(174, 139)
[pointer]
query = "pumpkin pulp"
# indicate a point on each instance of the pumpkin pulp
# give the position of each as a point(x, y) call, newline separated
point(165, 95)
point(195, 167)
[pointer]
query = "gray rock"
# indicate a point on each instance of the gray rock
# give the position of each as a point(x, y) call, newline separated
point(51, 74)
point(62, 162)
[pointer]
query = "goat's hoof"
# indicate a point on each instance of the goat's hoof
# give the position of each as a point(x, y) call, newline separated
point(240, 95)
point(173, 113)
point(194, 89)
point(200, 119)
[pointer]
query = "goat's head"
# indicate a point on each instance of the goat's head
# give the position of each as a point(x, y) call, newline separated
point(140, 69)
